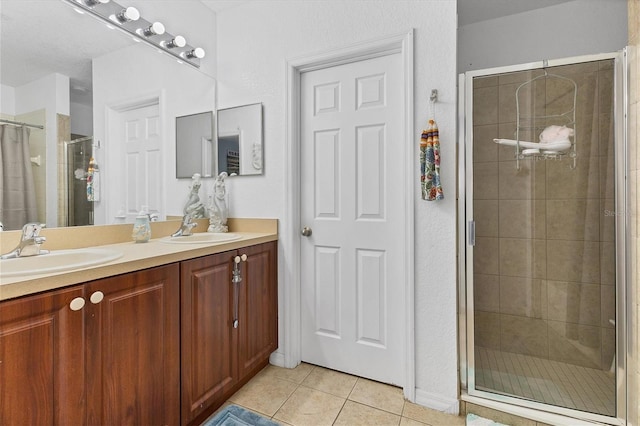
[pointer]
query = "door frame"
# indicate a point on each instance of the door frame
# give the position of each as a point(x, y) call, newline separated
point(394, 44)
point(539, 411)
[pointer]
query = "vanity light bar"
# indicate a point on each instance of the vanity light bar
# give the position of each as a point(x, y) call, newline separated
point(129, 20)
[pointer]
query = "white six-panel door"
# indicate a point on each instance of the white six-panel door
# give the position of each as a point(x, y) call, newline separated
point(142, 185)
point(352, 296)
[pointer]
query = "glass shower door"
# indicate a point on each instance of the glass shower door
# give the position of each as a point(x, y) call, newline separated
point(79, 209)
point(541, 207)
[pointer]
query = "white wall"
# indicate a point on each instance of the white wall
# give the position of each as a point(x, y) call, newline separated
point(255, 40)
point(580, 27)
point(81, 119)
point(7, 100)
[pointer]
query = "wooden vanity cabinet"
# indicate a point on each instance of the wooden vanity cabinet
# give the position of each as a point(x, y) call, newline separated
point(103, 353)
point(133, 348)
point(258, 330)
point(42, 370)
point(156, 346)
point(208, 340)
point(218, 358)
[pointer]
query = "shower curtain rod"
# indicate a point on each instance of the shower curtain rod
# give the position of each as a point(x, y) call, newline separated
point(18, 123)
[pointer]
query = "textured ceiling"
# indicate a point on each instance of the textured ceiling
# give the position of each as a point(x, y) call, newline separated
point(218, 5)
point(472, 11)
point(40, 37)
point(469, 11)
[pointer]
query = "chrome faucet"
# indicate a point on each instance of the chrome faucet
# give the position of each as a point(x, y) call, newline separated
point(185, 226)
point(29, 242)
point(1, 227)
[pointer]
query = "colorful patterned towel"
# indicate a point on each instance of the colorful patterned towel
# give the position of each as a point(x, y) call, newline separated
point(430, 163)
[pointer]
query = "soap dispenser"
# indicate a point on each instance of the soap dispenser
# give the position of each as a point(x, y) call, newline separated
point(142, 227)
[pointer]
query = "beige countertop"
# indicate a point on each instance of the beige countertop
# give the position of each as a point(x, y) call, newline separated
point(135, 256)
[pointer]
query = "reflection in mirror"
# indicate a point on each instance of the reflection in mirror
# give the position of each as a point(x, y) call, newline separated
point(194, 145)
point(46, 79)
point(73, 76)
point(240, 140)
point(78, 155)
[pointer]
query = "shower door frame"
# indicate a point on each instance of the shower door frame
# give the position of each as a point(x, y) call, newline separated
point(540, 411)
point(66, 187)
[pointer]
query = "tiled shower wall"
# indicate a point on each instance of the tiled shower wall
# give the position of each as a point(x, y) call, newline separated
point(634, 180)
point(544, 259)
point(64, 134)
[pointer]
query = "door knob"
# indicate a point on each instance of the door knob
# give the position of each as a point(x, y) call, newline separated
point(306, 231)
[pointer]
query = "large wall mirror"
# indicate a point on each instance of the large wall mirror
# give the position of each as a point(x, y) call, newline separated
point(69, 75)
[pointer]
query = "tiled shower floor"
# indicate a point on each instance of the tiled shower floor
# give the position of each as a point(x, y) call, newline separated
point(552, 382)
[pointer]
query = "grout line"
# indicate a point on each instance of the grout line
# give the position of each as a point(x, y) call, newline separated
point(549, 381)
point(344, 402)
point(353, 388)
point(313, 367)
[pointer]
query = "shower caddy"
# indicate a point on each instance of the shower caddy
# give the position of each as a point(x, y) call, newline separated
point(535, 124)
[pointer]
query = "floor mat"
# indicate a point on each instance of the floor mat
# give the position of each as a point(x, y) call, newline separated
point(473, 420)
point(233, 415)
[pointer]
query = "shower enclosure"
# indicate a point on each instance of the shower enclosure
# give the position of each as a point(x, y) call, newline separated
point(78, 153)
point(542, 260)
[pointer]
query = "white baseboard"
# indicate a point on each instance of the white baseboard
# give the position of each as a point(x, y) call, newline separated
point(277, 359)
point(437, 402)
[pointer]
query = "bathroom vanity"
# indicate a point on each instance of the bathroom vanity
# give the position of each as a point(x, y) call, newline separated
point(235, 325)
point(163, 335)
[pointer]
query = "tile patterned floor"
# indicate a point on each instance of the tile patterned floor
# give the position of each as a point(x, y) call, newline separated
point(314, 396)
point(552, 382)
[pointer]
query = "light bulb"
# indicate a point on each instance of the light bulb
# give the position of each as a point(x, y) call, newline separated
point(177, 41)
point(154, 29)
point(198, 53)
point(128, 14)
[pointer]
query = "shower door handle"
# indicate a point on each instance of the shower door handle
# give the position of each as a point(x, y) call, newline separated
point(472, 233)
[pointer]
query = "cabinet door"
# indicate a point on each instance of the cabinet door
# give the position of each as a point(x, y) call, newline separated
point(208, 338)
point(258, 329)
point(42, 359)
point(133, 352)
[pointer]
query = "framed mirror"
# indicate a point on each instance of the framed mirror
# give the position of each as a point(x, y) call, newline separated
point(239, 147)
point(195, 151)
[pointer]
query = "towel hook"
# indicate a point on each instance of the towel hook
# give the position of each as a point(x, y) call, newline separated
point(433, 99)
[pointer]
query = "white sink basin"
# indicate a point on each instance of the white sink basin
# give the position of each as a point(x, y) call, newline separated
point(57, 261)
point(202, 238)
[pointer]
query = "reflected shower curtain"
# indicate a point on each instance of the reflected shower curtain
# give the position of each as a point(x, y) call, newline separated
point(17, 189)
